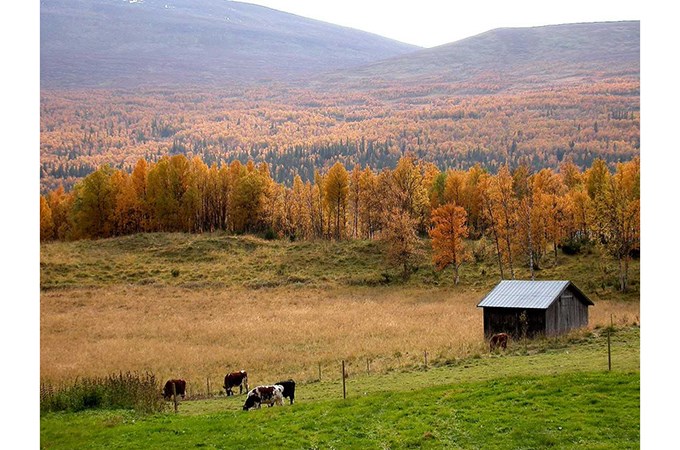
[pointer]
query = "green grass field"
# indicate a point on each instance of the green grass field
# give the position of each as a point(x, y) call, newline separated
point(551, 394)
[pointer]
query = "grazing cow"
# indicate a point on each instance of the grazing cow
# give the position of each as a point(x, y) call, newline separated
point(288, 389)
point(234, 379)
point(498, 340)
point(264, 394)
point(180, 388)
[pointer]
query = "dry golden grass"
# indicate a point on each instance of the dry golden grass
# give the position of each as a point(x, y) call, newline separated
point(272, 333)
point(275, 308)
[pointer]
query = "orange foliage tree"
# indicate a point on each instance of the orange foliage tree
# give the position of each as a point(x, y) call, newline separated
point(448, 238)
point(336, 195)
point(618, 216)
point(46, 222)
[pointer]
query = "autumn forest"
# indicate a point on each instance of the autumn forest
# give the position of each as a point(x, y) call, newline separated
point(297, 131)
point(530, 170)
point(524, 212)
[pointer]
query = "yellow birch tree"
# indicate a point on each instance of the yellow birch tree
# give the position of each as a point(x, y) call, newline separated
point(448, 238)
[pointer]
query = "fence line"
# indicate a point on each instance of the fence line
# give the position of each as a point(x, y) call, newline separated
point(325, 370)
point(320, 371)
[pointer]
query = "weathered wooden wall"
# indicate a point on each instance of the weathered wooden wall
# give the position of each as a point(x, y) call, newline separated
point(507, 320)
point(566, 313)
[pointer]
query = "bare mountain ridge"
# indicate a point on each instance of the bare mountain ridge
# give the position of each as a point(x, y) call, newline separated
point(128, 43)
point(508, 58)
point(133, 43)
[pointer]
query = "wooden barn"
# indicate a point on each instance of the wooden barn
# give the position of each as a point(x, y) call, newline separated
point(550, 307)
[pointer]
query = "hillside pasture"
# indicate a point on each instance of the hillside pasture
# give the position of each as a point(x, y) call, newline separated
point(198, 306)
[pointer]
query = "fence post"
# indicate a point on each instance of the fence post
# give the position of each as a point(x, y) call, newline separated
point(319, 371)
point(207, 380)
point(368, 366)
point(344, 392)
point(426, 359)
point(174, 395)
point(609, 348)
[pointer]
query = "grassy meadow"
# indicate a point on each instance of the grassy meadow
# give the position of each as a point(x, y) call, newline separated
point(197, 306)
point(551, 394)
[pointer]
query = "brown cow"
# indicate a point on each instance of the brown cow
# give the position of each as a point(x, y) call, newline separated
point(498, 340)
point(180, 388)
point(234, 379)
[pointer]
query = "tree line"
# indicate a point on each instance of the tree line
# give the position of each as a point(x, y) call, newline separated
point(526, 214)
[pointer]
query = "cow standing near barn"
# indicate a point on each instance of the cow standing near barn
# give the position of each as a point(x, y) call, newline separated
point(180, 388)
point(240, 379)
point(499, 340)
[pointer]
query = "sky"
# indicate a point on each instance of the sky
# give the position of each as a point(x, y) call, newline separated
point(428, 23)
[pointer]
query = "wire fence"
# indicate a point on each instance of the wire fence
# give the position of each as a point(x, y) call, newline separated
point(121, 390)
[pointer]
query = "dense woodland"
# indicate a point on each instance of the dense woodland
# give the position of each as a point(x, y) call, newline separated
point(298, 131)
point(526, 214)
point(531, 171)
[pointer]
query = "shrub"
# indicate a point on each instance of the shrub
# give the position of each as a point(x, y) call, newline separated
point(481, 251)
point(141, 393)
point(269, 234)
point(573, 246)
point(386, 278)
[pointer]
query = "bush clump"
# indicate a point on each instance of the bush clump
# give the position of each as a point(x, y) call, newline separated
point(573, 246)
point(269, 234)
point(139, 392)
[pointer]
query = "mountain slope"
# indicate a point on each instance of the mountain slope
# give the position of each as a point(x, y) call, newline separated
point(95, 43)
point(510, 58)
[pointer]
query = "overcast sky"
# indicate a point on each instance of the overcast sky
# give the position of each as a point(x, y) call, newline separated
point(429, 23)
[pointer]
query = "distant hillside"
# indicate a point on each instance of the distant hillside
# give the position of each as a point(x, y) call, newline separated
point(126, 43)
point(510, 58)
point(532, 95)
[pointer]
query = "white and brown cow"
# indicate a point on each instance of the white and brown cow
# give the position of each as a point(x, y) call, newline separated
point(240, 379)
point(272, 394)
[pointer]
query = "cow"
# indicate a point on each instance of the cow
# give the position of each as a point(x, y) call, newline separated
point(180, 388)
point(234, 379)
point(270, 395)
point(288, 389)
point(498, 340)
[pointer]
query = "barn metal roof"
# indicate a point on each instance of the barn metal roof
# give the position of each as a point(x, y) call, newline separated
point(529, 294)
